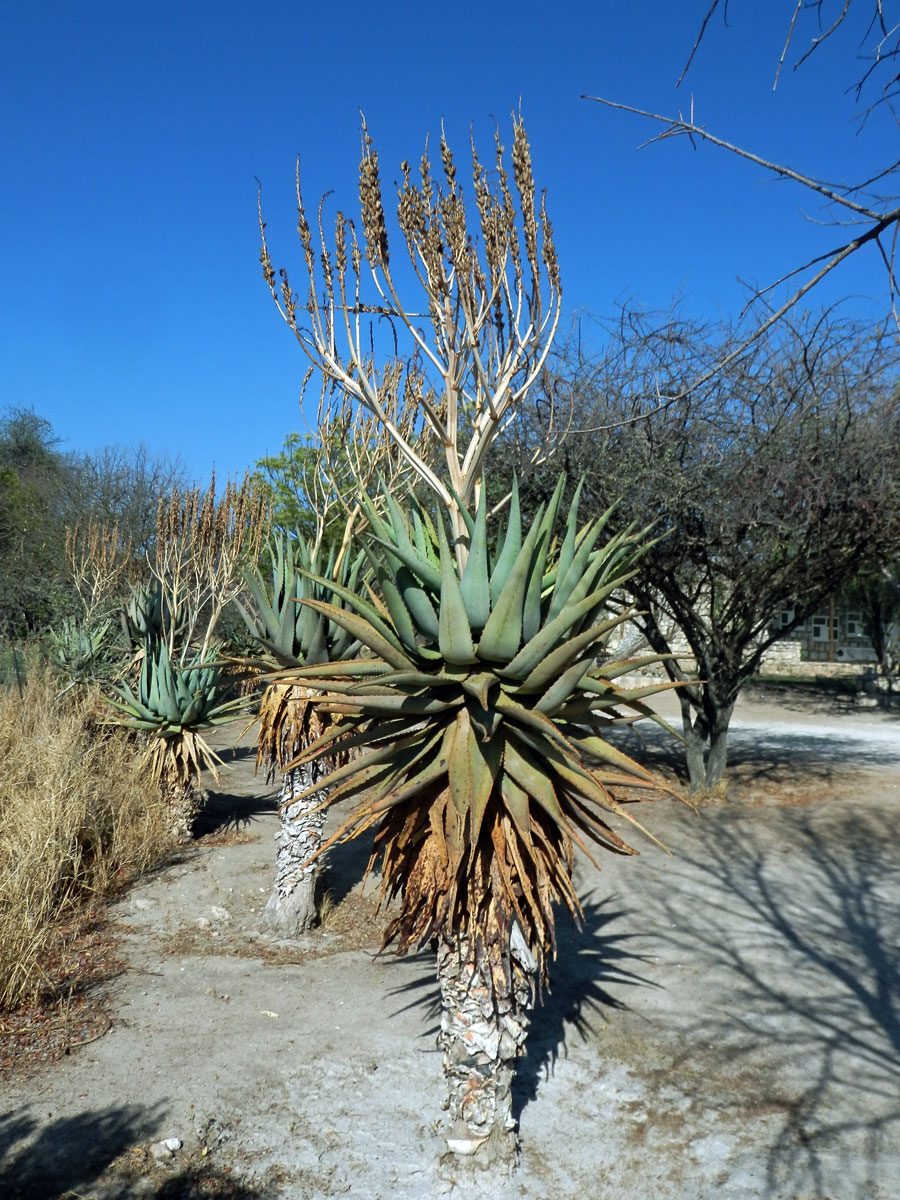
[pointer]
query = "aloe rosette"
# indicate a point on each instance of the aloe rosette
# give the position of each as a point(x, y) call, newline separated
point(171, 706)
point(480, 722)
point(143, 614)
point(79, 650)
point(290, 634)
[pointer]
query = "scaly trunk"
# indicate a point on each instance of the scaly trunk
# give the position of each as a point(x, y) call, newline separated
point(291, 908)
point(484, 1021)
point(181, 800)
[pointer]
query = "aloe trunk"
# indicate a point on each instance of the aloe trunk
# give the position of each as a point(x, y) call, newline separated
point(181, 802)
point(291, 634)
point(486, 1009)
point(291, 908)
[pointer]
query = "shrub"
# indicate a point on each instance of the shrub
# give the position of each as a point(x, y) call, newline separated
point(77, 815)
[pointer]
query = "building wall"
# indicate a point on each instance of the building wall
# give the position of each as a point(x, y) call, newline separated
point(833, 635)
point(830, 643)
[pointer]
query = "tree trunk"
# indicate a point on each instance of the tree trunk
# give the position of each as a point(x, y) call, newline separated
point(291, 908)
point(484, 1021)
point(181, 800)
point(706, 749)
point(717, 758)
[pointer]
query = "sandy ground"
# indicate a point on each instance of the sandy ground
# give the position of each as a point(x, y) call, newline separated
point(726, 1025)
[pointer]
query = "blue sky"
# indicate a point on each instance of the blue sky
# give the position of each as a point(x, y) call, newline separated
point(132, 306)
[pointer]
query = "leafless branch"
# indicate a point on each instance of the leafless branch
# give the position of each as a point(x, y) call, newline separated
point(878, 221)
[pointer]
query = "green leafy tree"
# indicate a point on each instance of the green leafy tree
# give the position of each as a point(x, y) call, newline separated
point(35, 485)
point(286, 475)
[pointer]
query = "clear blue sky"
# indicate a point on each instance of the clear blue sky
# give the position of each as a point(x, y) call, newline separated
point(132, 306)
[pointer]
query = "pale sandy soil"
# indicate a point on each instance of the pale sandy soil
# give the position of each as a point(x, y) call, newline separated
point(727, 1024)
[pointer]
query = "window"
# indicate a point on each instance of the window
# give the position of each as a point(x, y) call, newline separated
point(785, 617)
point(821, 623)
point(854, 625)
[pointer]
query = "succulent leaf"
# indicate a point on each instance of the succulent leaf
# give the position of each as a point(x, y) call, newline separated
point(474, 584)
point(480, 718)
point(512, 544)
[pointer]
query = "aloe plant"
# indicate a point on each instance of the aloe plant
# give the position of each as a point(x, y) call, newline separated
point(77, 649)
point(142, 614)
point(291, 634)
point(481, 760)
point(172, 707)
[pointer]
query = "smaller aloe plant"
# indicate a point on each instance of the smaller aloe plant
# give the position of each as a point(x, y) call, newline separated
point(481, 723)
point(142, 614)
point(78, 650)
point(172, 706)
point(292, 634)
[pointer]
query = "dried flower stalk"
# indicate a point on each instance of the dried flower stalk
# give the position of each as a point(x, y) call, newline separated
point(201, 544)
point(98, 560)
point(489, 276)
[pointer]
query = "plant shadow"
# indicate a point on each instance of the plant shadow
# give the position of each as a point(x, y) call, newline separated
point(803, 992)
point(594, 966)
point(230, 812)
point(39, 1161)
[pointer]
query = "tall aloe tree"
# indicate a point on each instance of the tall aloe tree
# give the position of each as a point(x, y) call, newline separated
point(482, 763)
point(479, 714)
point(291, 634)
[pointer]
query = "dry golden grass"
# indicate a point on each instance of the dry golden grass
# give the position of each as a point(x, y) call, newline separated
point(77, 816)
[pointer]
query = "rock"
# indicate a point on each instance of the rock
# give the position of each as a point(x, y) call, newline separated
point(204, 923)
point(465, 1146)
point(220, 914)
point(164, 1150)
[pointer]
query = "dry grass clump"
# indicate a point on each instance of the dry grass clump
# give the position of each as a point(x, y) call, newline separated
point(77, 815)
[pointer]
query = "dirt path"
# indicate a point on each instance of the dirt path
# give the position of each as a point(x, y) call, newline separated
point(726, 1026)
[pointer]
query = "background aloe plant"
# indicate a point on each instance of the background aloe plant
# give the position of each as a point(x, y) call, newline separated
point(81, 651)
point(292, 634)
point(172, 707)
point(482, 763)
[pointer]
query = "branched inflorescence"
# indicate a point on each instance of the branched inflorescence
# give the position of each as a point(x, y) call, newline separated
point(489, 279)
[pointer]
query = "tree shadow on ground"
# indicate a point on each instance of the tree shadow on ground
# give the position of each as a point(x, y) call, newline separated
point(756, 755)
point(236, 753)
point(594, 965)
point(198, 1183)
point(804, 955)
point(229, 812)
point(70, 1152)
point(838, 698)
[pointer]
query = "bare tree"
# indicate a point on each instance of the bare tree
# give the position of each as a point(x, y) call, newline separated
point(866, 211)
point(120, 486)
point(771, 485)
